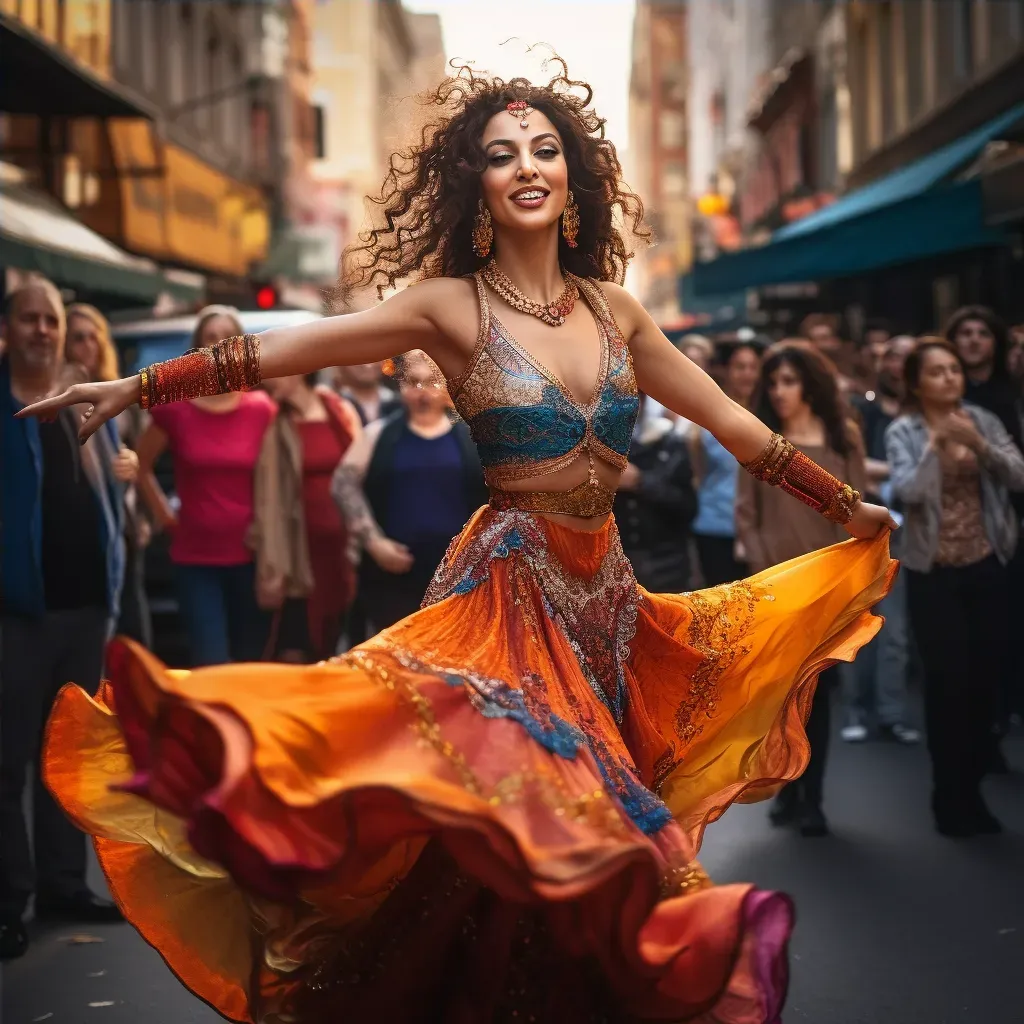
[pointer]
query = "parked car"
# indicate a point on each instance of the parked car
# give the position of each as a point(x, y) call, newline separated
point(141, 343)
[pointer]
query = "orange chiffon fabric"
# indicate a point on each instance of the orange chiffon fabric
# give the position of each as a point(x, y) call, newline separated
point(490, 811)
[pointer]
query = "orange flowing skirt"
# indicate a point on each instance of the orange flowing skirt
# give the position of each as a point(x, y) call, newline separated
point(490, 811)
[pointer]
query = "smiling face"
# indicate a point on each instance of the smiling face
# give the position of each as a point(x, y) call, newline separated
point(526, 183)
point(34, 329)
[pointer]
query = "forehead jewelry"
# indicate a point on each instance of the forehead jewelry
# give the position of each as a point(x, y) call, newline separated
point(521, 110)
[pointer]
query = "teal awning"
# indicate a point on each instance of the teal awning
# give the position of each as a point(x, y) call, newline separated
point(911, 214)
point(720, 312)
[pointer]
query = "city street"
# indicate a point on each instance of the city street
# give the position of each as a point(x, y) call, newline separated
point(896, 925)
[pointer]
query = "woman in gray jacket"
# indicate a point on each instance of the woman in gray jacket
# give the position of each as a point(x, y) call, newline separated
point(953, 466)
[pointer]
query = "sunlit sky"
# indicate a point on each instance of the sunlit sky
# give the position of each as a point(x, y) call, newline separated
point(593, 36)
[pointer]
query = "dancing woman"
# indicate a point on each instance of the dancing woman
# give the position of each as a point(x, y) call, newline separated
point(490, 811)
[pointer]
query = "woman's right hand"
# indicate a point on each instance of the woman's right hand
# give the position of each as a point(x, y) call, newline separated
point(270, 592)
point(105, 399)
point(390, 555)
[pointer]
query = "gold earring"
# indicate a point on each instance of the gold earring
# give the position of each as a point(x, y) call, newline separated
point(483, 233)
point(570, 221)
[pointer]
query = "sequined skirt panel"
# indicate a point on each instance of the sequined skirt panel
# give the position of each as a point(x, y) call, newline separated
point(490, 811)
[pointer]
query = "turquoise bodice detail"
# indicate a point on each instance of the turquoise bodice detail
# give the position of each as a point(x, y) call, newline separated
point(524, 420)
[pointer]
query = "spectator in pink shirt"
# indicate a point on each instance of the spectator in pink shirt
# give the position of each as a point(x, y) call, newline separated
point(214, 444)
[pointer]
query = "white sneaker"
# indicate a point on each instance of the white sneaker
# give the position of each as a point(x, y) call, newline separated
point(854, 733)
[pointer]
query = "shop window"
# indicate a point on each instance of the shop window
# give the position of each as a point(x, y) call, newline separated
point(319, 132)
point(828, 171)
point(886, 74)
point(672, 129)
point(674, 180)
point(913, 58)
point(214, 85)
point(963, 40)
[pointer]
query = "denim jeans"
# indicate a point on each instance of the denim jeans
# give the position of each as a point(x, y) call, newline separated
point(875, 685)
point(218, 606)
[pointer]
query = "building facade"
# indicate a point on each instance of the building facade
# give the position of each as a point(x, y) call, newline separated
point(203, 166)
point(657, 155)
point(883, 169)
point(370, 61)
point(924, 75)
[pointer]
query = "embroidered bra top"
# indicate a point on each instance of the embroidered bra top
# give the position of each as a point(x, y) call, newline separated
point(525, 421)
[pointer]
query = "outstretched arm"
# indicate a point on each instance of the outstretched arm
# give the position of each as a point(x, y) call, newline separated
point(664, 373)
point(437, 316)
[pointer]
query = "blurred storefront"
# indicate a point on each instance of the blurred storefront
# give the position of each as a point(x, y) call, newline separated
point(178, 132)
point(930, 156)
point(56, 77)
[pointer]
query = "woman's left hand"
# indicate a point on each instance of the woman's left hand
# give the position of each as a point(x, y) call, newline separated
point(960, 428)
point(125, 466)
point(868, 519)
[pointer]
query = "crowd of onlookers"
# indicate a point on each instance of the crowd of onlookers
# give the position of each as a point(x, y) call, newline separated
point(309, 514)
point(932, 427)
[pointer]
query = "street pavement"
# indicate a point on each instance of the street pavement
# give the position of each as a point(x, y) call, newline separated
point(896, 925)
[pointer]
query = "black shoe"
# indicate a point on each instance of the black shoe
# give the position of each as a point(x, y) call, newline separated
point(984, 821)
point(785, 809)
point(84, 906)
point(955, 826)
point(13, 939)
point(813, 823)
point(997, 761)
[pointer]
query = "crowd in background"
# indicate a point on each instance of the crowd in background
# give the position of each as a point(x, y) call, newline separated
point(312, 513)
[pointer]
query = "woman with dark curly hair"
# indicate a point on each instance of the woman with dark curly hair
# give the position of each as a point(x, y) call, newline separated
point(491, 810)
point(798, 396)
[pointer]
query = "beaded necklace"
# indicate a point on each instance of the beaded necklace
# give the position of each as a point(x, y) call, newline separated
point(553, 313)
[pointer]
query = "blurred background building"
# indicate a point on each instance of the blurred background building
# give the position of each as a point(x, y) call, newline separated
point(156, 154)
point(371, 62)
point(865, 158)
point(656, 163)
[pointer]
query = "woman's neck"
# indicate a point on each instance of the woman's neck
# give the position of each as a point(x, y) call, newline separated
point(803, 427)
point(429, 424)
point(305, 404)
point(530, 261)
point(219, 403)
point(29, 386)
point(364, 393)
point(934, 412)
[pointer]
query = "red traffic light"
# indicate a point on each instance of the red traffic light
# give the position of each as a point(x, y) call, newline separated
point(266, 297)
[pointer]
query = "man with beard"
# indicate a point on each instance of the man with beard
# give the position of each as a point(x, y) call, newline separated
point(875, 687)
point(61, 569)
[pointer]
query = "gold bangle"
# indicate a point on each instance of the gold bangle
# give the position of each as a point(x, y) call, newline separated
point(230, 365)
point(782, 465)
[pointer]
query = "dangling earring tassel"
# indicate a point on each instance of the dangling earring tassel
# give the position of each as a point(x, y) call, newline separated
point(483, 233)
point(570, 221)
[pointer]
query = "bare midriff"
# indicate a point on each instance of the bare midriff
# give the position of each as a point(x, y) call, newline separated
point(565, 480)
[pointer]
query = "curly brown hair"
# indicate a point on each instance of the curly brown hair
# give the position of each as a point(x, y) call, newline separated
point(818, 377)
point(429, 198)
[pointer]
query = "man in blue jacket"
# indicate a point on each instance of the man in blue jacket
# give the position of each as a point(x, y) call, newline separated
point(61, 567)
